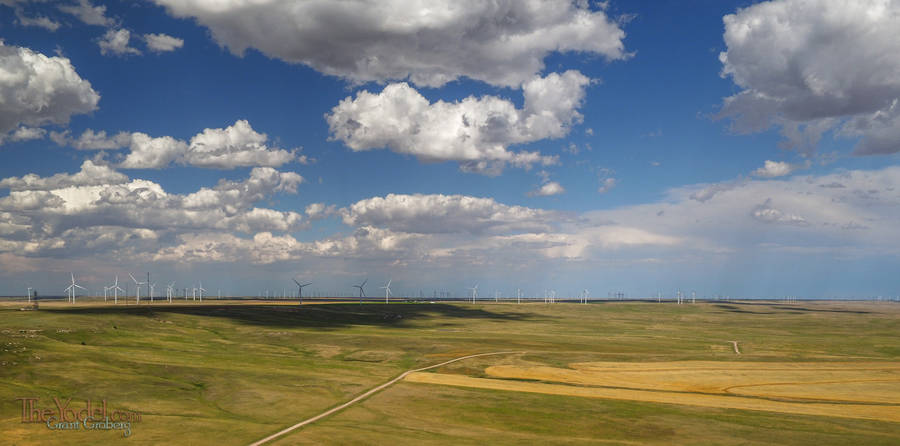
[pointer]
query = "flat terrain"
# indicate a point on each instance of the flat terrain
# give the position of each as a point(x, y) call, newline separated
point(231, 373)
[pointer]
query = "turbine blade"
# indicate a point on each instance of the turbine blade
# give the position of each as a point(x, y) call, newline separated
point(295, 281)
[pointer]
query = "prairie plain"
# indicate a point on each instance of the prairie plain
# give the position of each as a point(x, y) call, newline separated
point(234, 372)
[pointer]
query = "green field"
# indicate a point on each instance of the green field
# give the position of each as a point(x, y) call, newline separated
point(230, 374)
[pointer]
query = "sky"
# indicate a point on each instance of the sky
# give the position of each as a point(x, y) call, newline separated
point(728, 148)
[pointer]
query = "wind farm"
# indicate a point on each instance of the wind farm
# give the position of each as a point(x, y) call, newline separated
point(740, 362)
point(585, 222)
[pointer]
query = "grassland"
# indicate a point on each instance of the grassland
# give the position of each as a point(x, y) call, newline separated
point(233, 373)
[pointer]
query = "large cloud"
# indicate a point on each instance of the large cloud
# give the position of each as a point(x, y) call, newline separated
point(446, 214)
point(237, 145)
point(55, 211)
point(475, 131)
point(430, 43)
point(811, 66)
point(234, 146)
point(36, 89)
point(838, 216)
point(91, 174)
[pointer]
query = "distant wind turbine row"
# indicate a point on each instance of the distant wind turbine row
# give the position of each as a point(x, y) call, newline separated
point(197, 292)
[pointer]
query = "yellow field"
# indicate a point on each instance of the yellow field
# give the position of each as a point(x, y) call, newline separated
point(849, 390)
point(847, 382)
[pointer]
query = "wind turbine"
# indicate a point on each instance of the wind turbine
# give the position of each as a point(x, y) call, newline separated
point(152, 286)
point(387, 290)
point(71, 289)
point(474, 292)
point(362, 293)
point(300, 289)
point(201, 289)
point(586, 294)
point(518, 295)
point(115, 289)
point(170, 291)
point(138, 288)
point(29, 293)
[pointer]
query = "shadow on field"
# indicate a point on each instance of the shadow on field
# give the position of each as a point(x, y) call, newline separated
point(776, 308)
point(824, 310)
point(734, 309)
point(326, 316)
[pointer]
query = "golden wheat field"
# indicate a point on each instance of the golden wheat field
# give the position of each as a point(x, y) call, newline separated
point(850, 390)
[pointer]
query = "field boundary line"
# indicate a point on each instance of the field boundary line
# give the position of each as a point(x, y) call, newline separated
point(366, 395)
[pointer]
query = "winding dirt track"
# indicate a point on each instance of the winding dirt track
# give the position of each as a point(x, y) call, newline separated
point(366, 395)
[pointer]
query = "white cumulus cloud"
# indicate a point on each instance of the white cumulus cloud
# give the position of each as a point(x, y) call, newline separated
point(88, 13)
point(430, 43)
point(234, 146)
point(440, 213)
point(36, 89)
point(90, 175)
point(43, 215)
point(547, 189)
point(115, 42)
point(475, 131)
point(773, 169)
point(812, 66)
point(163, 42)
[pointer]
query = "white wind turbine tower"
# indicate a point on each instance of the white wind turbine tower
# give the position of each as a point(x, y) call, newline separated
point(115, 289)
point(586, 294)
point(387, 290)
point(201, 289)
point(194, 293)
point(152, 287)
point(300, 289)
point(29, 293)
point(137, 288)
point(170, 292)
point(71, 289)
point(518, 295)
point(474, 292)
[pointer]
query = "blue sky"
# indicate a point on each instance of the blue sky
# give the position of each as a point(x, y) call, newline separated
point(728, 148)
